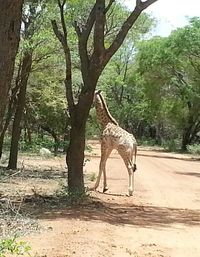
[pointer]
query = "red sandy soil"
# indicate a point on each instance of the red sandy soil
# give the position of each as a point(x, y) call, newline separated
point(161, 219)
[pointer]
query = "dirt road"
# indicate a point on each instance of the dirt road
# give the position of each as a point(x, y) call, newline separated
point(161, 219)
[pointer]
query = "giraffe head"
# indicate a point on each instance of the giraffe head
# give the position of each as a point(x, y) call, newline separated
point(103, 113)
point(97, 98)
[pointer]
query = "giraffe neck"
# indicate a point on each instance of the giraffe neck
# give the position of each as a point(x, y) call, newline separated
point(103, 115)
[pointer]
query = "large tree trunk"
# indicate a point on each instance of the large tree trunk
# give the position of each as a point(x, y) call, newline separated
point(16, 130)
point(185, 139)
point(75, 159)
point(10, 21)
point(75, 151)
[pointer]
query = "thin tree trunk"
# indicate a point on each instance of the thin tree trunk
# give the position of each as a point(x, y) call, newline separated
point(8, 118)
point(16, 130)
point(185, 141)
point(10, 21)
point(10, 111)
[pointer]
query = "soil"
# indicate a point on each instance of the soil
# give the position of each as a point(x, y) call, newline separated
point(161, 219)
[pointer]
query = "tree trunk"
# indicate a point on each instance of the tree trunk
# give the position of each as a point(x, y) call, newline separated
point(186, 138)
point(75, 159)
point(16, 130)
point(189, 130)
point(75, 151)
point(10, 111)
point(10, 21)
point(185, 142)
point(2, 135)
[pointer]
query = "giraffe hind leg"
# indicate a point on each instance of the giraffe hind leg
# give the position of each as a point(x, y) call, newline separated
point(130, 168)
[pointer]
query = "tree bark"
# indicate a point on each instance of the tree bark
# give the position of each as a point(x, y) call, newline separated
point(75, 151)
point(16, 130)
point(75, 159)
point(10, 21)
point(10, 111)
point(3, 131)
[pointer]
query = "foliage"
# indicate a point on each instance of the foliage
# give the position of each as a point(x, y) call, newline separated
point(168, 69)
point(194, 149)
point(11, 246)
point(75, 197)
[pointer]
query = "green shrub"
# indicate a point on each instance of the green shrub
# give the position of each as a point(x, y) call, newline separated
point(11, 246)
point(72, 197)
point(171, 145)
point(194, 149)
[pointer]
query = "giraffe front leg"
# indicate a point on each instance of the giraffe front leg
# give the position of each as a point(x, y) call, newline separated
point(106, 155)
point(130, 186)
point(105, 186)
point(105, 152)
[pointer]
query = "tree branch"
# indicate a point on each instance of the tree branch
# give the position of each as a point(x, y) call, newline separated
point(117, 42)
point(61, 6)
point(89, 24)
point(109, 5)
point(83, 36)
point(63, 38)
point(99, 28)
point(143, 5)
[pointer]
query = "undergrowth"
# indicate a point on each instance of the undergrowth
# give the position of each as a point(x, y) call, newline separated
point(13, 247)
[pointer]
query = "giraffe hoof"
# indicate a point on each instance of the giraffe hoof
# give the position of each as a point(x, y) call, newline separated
point(105, 189)
point(130, 193)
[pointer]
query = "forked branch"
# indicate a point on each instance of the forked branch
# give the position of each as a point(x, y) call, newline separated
point(117, 42)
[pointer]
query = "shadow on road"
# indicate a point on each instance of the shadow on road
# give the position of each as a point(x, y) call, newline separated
point(195, 174)
point(117, 214)
point(181, 158)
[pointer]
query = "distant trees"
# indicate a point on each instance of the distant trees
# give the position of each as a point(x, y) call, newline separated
point(161, 92)
point(31, 15)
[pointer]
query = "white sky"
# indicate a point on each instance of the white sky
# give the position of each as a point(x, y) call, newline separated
point(170, 13)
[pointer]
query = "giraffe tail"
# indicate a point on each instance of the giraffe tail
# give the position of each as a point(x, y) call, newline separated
point(135, 154)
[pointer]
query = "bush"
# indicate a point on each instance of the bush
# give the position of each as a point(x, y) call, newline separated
point(76, 197)
point(194, 149)
point(171, 145)
point(37, 144)
point(11, 246)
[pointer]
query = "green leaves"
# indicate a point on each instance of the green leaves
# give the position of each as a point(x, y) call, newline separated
point(11, 246)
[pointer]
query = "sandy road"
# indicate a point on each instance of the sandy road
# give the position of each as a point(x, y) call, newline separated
point(162, 219)
point(167, 188)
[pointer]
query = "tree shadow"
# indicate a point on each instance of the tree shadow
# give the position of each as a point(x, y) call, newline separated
point(192, 159)
point(32, 173)
point(113, 213)
point(195, 174)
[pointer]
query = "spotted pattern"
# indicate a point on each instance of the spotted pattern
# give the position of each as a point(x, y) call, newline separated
point(114, 137)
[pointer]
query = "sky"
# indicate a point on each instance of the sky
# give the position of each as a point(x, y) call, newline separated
point(170, 13)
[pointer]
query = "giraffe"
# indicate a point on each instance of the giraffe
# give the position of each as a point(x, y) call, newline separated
point(114, 137)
